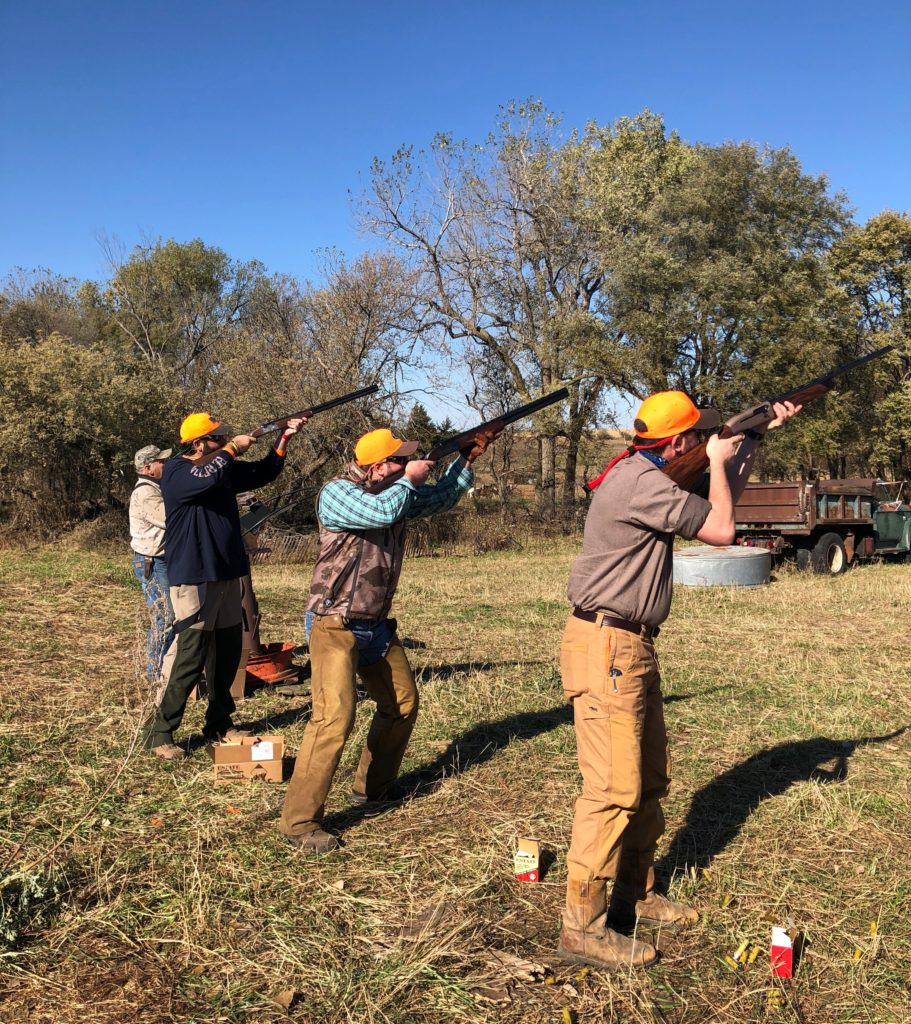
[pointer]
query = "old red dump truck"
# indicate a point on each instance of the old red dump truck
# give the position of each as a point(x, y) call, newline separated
point(826, 524)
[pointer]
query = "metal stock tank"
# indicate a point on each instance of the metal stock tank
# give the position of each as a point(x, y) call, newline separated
point(706, 566)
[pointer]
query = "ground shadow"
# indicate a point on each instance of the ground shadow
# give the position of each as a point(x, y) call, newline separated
point(431, 673)
point(674, 698)
point(473, 747)
point(411, 643)
point(720, 809)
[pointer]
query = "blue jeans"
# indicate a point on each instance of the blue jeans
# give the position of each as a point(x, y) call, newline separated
point(373, 638)
point(161, 614)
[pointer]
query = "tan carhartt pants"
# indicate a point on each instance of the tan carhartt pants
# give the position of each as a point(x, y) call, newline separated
point(611, 678)
point(390, 682)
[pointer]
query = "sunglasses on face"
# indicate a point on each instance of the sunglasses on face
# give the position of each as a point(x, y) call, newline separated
point(398, 460)
point(217, 438)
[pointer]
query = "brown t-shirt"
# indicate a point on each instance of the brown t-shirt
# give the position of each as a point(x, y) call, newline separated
point(626, 565)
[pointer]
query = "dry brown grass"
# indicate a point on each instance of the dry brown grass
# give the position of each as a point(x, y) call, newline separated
point(791, 798)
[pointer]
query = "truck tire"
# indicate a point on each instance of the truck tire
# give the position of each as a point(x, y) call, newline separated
point(829, 555)
point(802, 555)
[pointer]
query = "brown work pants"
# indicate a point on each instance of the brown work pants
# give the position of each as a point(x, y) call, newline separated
point(390, 682)
point(611, 678)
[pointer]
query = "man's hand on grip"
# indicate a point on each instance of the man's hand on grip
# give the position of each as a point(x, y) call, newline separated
point(720, 450)
point(243, 441)
point(417, 471)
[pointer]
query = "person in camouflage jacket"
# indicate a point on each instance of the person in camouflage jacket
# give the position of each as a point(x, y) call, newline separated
point(363, 515)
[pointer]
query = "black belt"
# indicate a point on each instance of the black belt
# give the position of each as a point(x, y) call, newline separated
point(601, 619)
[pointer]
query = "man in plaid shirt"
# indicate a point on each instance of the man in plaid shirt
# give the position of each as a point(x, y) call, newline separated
point(363, 516)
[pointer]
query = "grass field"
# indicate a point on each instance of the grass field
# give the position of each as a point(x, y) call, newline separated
point(135, 891)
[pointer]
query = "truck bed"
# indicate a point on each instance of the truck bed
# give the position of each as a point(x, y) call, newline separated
point(798, 507)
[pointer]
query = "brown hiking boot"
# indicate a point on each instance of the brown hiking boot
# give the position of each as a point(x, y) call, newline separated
point(655, 911)
point(169, 752)
point(318, 842)
point(584, 938)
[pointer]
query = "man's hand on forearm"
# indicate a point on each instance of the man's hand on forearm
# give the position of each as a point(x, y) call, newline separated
point(783, 412)
point(482, 439)
point(291, 428)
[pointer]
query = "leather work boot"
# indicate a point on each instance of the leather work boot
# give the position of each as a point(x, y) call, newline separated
point(659, 912)
point(169, 752)
point(634, 900)
point(318, 842)
point(584, 938)
point(384, 799)
point(655, 911)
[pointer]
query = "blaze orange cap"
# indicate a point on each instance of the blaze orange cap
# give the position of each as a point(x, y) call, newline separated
point(379, 445)
point(669, 413)
point(198, 424)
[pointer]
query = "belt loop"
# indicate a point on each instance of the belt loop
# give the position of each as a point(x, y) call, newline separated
point(599, 619)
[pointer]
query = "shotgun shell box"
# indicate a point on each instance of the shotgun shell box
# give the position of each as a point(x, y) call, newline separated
point(253, 757)
point(782, 954)
point(528, 860)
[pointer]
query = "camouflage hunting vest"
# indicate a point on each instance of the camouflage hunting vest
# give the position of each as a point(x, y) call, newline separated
point(357, 571)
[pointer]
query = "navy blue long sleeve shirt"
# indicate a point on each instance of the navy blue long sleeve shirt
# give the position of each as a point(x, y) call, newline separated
point(202, 525)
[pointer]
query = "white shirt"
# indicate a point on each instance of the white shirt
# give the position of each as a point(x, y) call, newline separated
point(147, 518)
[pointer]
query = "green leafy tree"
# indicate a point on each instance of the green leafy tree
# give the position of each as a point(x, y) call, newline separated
point(73, 417)
point(872, 265)
point(180, 304)
point(722, 289)
point(421, 428)
point(34, 305)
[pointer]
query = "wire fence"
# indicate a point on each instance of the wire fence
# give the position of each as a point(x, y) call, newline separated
point(461, 532)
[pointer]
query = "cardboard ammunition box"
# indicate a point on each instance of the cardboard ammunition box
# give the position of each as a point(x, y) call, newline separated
point(527, 864)
point(255, 757)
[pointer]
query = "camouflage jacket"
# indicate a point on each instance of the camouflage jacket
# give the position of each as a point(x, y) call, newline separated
point(362, 540)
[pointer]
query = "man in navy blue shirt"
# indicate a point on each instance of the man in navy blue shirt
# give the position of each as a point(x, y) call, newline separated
point(206, 557)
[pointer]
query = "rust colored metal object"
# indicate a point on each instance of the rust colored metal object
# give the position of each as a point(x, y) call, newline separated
point(273, 665)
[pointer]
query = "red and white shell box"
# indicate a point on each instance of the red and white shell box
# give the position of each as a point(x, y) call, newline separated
point(527, 863)
point(253, 757)
point(782, 953)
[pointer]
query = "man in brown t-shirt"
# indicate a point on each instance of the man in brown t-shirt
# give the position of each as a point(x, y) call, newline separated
point(620, 588)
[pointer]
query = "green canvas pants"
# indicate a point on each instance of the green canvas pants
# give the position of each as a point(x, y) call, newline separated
point(214, 635)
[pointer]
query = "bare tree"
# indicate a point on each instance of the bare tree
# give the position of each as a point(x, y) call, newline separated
point(504, 262)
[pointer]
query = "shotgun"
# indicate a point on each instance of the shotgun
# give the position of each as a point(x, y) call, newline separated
point(282, 422)
point(452, 444)
point(261, 512)
point(686, 470)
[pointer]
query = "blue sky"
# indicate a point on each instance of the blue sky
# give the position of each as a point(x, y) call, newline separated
point(246, 124)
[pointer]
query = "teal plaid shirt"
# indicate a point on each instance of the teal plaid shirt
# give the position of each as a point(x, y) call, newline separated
point(343, 505)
